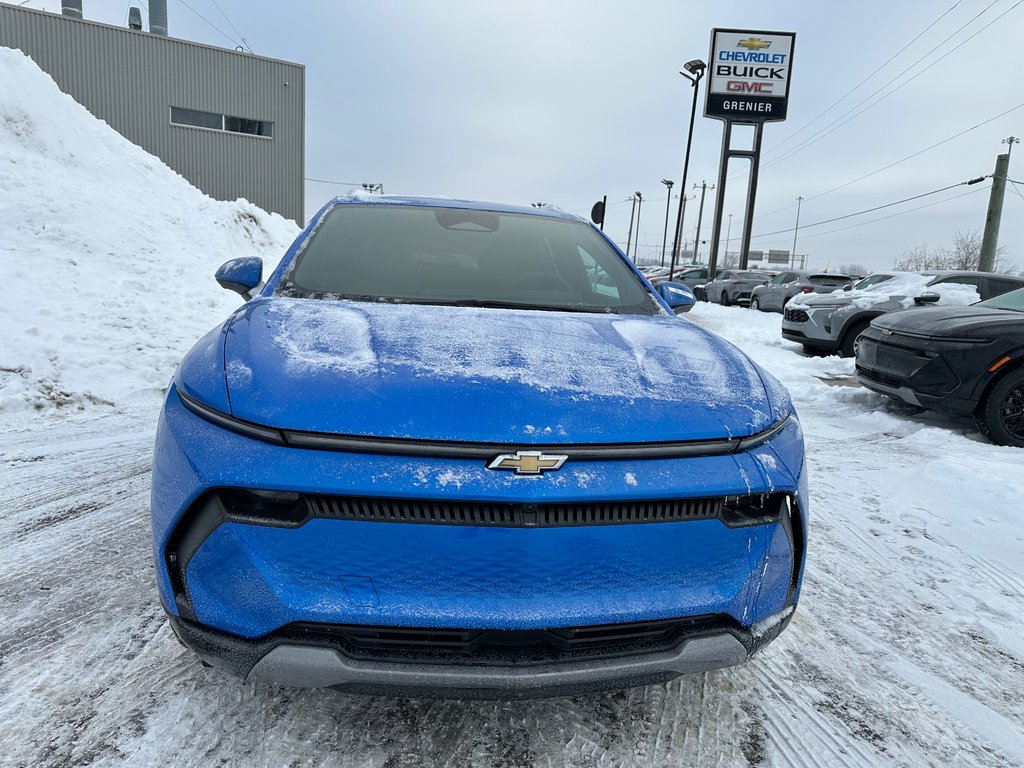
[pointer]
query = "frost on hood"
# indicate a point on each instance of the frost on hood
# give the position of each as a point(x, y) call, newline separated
point(584, 355)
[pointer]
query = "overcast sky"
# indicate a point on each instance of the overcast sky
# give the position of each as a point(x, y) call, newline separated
point(563, 102)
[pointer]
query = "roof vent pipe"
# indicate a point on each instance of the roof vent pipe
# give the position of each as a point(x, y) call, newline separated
point(158, 17)
point(134, 18)
point(72, 8)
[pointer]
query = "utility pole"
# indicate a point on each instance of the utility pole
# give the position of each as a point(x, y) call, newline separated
point(728, 237)
point(796, 229)
point(632, 212)
point(668, 201)
point(636, 245)
point(700, 217)
point(990, 240)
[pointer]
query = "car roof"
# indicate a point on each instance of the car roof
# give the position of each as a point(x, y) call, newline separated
point(448, 202)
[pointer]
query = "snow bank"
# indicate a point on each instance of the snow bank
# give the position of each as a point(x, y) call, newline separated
point(903, 287)
point(107, 255)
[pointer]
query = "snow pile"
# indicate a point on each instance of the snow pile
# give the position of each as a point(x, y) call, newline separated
point(904, 288)
point(107, 256)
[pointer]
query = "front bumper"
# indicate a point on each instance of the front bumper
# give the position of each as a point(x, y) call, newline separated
point(244, 579)
point(811, 326)
point(941, 375)
point(321, 663)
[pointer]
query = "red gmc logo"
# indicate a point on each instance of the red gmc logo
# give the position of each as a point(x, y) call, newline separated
point(745, 87)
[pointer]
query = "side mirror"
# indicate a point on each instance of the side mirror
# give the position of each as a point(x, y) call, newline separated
point(927, 298)
point(848, 287)
point(677, 295)
point(241, 275)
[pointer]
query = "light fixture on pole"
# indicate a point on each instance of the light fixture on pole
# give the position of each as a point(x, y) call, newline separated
point(693, 71)
point(796, 230)
point(373, 187)
point(668, 201)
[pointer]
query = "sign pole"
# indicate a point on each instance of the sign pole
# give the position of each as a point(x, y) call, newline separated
point(723, 170)
point(748, 218)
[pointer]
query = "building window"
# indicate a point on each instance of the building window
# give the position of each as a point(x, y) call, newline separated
point(213, 121)
point(251, 127)
point(197, 119)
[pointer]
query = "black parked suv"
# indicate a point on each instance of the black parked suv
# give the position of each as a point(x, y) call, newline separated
point(963, 361)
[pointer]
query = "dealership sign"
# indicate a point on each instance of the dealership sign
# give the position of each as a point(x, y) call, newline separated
point(749, 75)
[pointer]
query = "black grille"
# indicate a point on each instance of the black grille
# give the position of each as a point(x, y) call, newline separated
point(507, 515)
point(503, 646)
point(796, 316)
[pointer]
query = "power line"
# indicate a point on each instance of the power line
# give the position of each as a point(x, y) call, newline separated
point(897, 162)
point(875, 72)
point(881, 218)
point(197, 13)
point(332, 181)
point(852, 113)
point(840, 121)
point(244, 41)
point(870, 210)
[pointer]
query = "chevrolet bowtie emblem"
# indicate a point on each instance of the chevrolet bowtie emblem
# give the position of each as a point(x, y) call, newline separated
point(528, 462)
point(755, 43)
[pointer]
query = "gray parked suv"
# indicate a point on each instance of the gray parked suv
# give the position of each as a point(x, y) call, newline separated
point(832, 322)
point(733, 286)
point(773, 295)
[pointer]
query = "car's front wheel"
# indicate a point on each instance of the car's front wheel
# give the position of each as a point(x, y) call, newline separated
point(754, 303)
point(1001, 415)
point(723, 298)
point(849, 346)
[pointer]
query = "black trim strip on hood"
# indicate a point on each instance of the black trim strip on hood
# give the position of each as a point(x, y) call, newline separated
point(484, 451)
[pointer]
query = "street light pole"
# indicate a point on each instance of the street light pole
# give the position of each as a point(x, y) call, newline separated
point(693, 71)
point(668, 201)
point(700, 217)
point(796, 230)
point(636, 245)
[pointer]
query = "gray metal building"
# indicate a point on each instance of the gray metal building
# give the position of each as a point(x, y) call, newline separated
point(231, 123)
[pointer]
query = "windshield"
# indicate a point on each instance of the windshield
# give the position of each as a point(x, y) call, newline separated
point(1013, 300)
point(423, 255)
point(870, 280)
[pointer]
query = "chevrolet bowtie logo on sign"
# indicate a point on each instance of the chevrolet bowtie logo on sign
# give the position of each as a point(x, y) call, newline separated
point(528, 462)
point(755, 43)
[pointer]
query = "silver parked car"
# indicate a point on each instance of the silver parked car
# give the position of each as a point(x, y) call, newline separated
point(733, 286)
point(773, 295)
point(832, 322)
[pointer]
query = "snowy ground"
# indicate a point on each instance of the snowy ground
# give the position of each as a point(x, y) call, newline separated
point(907, 647)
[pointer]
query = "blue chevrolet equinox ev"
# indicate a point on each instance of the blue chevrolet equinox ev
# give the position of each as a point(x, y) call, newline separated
point(463, 449)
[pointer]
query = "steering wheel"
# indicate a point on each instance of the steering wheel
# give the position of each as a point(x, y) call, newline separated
point(543, 281)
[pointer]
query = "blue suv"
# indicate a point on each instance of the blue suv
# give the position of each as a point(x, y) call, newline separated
point(466, 450)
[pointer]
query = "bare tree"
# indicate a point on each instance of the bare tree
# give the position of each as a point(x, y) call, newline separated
point(964, 254)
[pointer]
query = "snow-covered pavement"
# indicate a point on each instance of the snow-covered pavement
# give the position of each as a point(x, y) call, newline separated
point(906, 648)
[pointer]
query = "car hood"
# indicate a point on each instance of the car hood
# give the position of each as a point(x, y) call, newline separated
point(950, 321)
point(486, 375)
